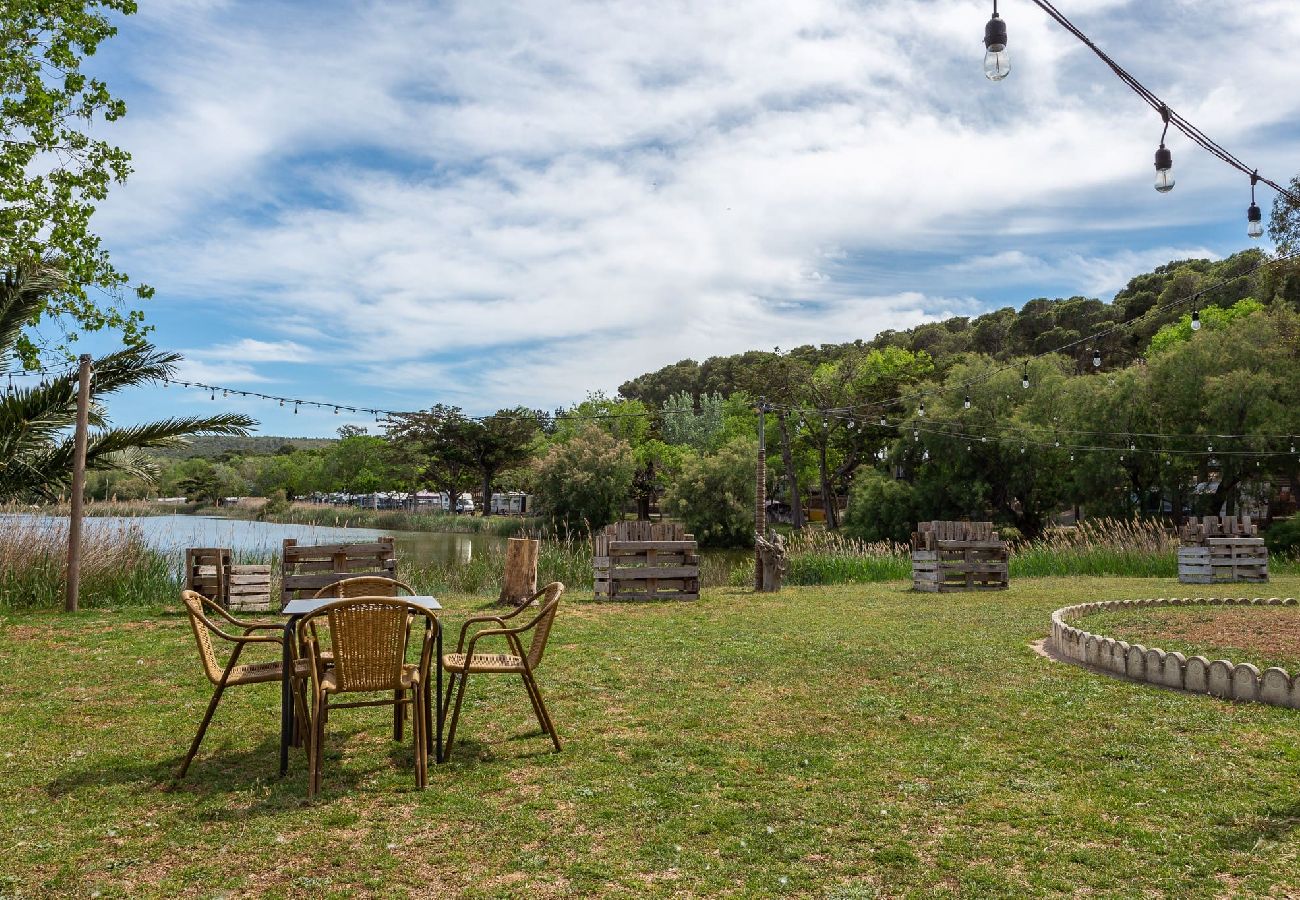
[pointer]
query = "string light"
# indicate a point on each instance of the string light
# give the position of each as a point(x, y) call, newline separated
point(966, 404)
point(1164, 158)
point(1196, 320)
point(920, 410)
point(1096, 359)
point(1024, 379)
point(997, 63)
point(1254, 218)
point(883, 423)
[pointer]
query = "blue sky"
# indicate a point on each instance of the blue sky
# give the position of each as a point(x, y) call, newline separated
point(487, 204)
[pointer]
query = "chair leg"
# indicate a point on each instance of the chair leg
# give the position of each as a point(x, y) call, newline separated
point(550, 725)
point(532, 698)
point(421, 742)
point(203, 729)
point(318, 743)
point(399, 713)
point(302, 726)
point(455, 713)
point(444, 701)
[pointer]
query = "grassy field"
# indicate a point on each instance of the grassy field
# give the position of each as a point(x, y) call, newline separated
point(832, 742)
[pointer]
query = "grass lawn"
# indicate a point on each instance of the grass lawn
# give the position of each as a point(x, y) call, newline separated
point(838, 742)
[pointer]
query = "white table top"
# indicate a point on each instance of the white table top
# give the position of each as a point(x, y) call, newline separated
point(301, 607)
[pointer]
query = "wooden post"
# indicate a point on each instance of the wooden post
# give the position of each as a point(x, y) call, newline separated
point(760, 492)
point(520, 580)
point(78, 485)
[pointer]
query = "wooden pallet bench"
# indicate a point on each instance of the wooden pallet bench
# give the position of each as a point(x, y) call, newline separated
point(646, 561)
point(1221, 549)
point(211, 572)
point(308, 568)
point(958, 556)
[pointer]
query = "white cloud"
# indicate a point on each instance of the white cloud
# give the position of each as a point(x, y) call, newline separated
point(573, 193)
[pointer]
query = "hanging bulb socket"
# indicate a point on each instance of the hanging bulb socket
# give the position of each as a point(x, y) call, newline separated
point(1196, 320)
point(1024, 380)
point(1096, 359)
point(966, 404)
point(997, 62)
point(1254, 218)
point(1164, 158)
point(883, 423)
point(1254, 222)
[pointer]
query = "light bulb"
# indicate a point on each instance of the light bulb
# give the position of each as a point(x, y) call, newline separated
point(967, 403)
point(997, 63)
point(1164, 170)
point(1254, 222)
point(920, 411)
point(852, 424)
point(1024, 380)
point(916, 435)
point(925, 455)
point(1196, 320)
point(882, 422)
point(1096, 359)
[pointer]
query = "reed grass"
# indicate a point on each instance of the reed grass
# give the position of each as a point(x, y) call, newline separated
point(117, 566)
point(386, 519)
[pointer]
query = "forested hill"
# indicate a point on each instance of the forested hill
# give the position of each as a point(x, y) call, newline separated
point(223, 446)
point(1041, 326)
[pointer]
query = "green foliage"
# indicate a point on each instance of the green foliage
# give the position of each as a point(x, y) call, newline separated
point(583, 482)
point(1284, 221)
point(1283, 537)
point(1176, 333)
point(880, 508)
point(683, 425)
point(54, 168)
point(714, 495)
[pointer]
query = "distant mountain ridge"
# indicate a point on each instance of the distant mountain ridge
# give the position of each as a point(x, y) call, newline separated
point(217, 446)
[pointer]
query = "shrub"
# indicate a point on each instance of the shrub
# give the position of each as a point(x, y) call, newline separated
point(1283, 537)
point(583, 481)
point(880, 508)
point(714, 495)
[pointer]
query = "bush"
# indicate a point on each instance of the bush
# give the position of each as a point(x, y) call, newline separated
point(880, 508)
point(714, 495)
point(583, 482)
point(1283, 537)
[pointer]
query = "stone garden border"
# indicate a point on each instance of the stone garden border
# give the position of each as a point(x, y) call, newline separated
point(1221, 678)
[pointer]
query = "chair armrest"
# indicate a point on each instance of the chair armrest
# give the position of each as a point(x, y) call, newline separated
point(474, 620)
point(508, 633)
point(220, 610)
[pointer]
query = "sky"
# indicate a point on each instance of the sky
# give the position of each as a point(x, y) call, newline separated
point(486, 204)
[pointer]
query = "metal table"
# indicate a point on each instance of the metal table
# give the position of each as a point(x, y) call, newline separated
point(294, 611)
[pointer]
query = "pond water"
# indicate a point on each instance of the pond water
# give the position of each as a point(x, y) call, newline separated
point(172, 534)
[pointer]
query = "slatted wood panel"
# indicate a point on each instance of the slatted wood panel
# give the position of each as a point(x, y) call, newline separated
point(646, 561)
point(958, 556)
point(241, 588)
point(308, 568)
point(1221, 549)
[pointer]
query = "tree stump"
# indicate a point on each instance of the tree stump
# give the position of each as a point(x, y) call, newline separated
point(772, 554)
point(521, 570)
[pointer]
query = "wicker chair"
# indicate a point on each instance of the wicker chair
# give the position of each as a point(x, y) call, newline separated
point(233, 673)
point(369, 586)
point(368, 637)
point(465, 662)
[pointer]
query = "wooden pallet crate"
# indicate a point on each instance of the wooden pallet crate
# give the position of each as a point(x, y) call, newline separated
point(241, 588)
point(646, 561)
point(1221, 549)
point(958, 556)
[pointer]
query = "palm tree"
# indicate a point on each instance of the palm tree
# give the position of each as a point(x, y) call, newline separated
point(36, 446)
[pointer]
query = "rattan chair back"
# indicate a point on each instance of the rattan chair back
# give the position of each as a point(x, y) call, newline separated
point(368, 640)
point(202, 624)
point(544, 620)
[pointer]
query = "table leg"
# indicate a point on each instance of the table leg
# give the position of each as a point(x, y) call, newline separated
point(287, 718)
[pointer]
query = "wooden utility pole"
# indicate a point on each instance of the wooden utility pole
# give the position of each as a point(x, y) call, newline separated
point(78, 484)
point(760, 493)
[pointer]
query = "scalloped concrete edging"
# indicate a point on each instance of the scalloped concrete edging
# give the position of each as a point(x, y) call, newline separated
point(1220, 678)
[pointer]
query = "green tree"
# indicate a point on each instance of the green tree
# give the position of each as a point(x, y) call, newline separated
point(583, 482)
point(36, 448)
point(1284, 221)
point(697, 430)
point(714, 495)
point(54, 168)
point(880, 508)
